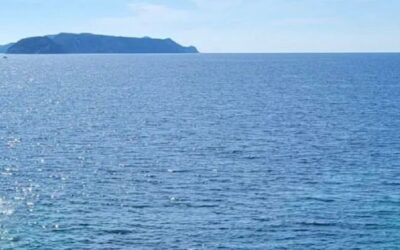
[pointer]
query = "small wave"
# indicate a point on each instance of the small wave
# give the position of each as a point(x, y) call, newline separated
point(317, 223)
point(178, 171)
point(319, 199)
point(386, 183)
point(118, 231)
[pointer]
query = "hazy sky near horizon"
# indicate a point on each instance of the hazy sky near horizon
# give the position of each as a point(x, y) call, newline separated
point(217, 25)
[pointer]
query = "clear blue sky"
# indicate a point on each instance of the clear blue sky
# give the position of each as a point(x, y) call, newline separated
point(217, 25)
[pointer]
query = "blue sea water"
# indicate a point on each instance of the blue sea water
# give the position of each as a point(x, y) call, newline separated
point(274, 151)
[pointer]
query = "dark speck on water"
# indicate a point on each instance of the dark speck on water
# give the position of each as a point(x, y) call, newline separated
point(274, 151)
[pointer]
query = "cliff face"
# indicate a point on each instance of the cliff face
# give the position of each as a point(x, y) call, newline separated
point(4, 48)
point(90, 44)
point(35, 45)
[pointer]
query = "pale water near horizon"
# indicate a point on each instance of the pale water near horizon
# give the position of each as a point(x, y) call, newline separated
point(290, 151)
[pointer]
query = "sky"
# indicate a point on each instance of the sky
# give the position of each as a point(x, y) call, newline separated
point(217, 25)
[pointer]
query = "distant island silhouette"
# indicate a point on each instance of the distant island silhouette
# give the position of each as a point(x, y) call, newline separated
point(86, 43)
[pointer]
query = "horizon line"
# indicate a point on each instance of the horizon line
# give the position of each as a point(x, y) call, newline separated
point(224, 53)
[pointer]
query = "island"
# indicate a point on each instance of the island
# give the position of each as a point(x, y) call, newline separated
point(86, 43)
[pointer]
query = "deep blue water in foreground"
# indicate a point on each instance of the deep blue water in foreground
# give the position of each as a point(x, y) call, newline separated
point(271, 151)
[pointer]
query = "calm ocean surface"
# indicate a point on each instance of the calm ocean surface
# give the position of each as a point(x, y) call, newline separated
point(290, 151)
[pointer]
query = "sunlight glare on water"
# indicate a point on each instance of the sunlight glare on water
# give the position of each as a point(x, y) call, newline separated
point(200, 151)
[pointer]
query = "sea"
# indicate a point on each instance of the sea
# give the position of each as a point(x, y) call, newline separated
point(207, 151)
